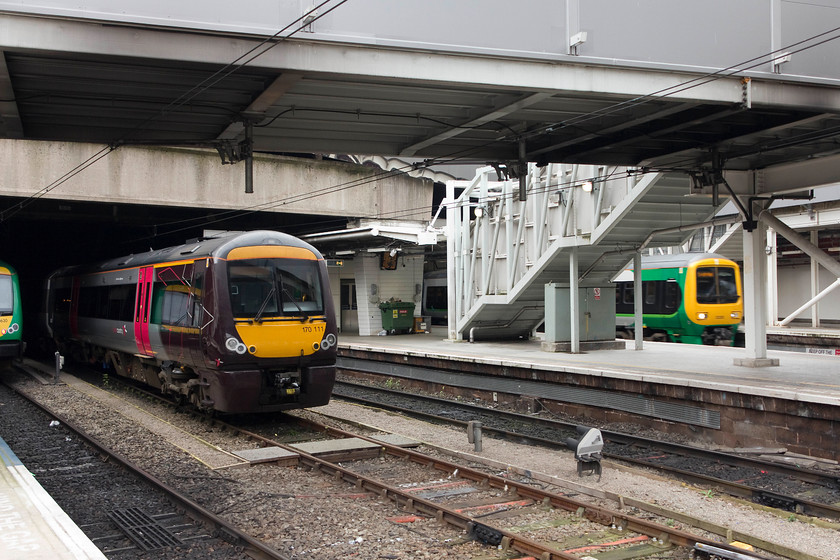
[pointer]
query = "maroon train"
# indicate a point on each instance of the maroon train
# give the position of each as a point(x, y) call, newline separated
point(238, 323)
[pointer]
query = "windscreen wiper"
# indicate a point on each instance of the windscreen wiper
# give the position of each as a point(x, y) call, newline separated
point(291, 299)
point(261, 310)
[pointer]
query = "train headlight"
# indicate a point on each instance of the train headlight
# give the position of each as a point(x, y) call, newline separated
point(702, 316)
point(328, 342)
point(231, 344)
point(734, 315)
point(234, 345)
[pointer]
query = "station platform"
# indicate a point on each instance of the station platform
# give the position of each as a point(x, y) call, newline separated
point(32, 525)
point(789, 405)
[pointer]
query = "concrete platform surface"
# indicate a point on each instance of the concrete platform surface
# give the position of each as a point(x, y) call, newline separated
point(32, 525)
point(799, 376)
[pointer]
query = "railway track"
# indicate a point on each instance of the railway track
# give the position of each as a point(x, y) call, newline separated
point(787, 487)
point(123, 509)
point(430, 492)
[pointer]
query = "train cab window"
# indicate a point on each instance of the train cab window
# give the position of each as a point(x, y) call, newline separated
point(7, 295)
point(301, 288)
point(262, 288)
point(716, 285)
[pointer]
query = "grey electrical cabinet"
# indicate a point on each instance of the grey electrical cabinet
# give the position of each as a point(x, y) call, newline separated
point(596, 313)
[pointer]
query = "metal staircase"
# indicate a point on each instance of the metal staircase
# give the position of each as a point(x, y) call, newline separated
point(503, 250)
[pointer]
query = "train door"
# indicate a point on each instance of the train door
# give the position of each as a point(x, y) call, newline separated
point(199, 315)
point(143, 309)
point(349, 307)
point(176, 302)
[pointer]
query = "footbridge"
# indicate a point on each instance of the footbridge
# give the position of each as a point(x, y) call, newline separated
point(578, 227)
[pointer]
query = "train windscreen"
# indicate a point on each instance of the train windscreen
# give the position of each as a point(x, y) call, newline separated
point(7, 295)
point(261, 288)
point(716, 285)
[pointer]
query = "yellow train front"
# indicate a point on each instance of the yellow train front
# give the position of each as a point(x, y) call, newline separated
point(695, 298)
point(234, 324)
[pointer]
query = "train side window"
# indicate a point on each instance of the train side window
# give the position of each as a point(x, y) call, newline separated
point(120, 302)
point(621, 306)
point(62, 301)
point(629, 293)
point(650, 292)
point(175, 306)
point(198, 294)
point(671, 301)
point(436, 298)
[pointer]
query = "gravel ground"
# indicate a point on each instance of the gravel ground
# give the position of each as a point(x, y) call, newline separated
point(312, 517)
point(817, 541)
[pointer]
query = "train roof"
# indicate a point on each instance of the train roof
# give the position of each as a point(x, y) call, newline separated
point(680, 260)
point(217, 246)
point(677, 260)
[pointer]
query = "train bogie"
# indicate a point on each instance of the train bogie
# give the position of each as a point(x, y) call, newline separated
point(240, 323)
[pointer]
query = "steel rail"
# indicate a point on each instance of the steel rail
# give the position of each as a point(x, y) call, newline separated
point(782, 501)
point(224, 530)
point(597, 514)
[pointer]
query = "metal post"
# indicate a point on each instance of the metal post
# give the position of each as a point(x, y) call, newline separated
point(523, 169)
point(59, 362)
point(815, 282)
point(574, 301)
point(474, 434)
point(638, 302)
point(249, 157)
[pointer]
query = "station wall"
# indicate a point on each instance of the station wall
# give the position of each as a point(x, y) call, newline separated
point(795, 289)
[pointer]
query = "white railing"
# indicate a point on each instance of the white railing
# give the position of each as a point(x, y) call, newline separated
point(495, 239)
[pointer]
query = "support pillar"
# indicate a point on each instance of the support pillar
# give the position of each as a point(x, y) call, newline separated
point(574, 300)
point(815, 282)
point(755, 295)
point(638, 302)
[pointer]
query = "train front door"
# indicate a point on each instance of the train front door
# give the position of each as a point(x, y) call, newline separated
point(143, 309)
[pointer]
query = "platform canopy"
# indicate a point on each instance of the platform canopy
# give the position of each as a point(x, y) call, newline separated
point(439, 83)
